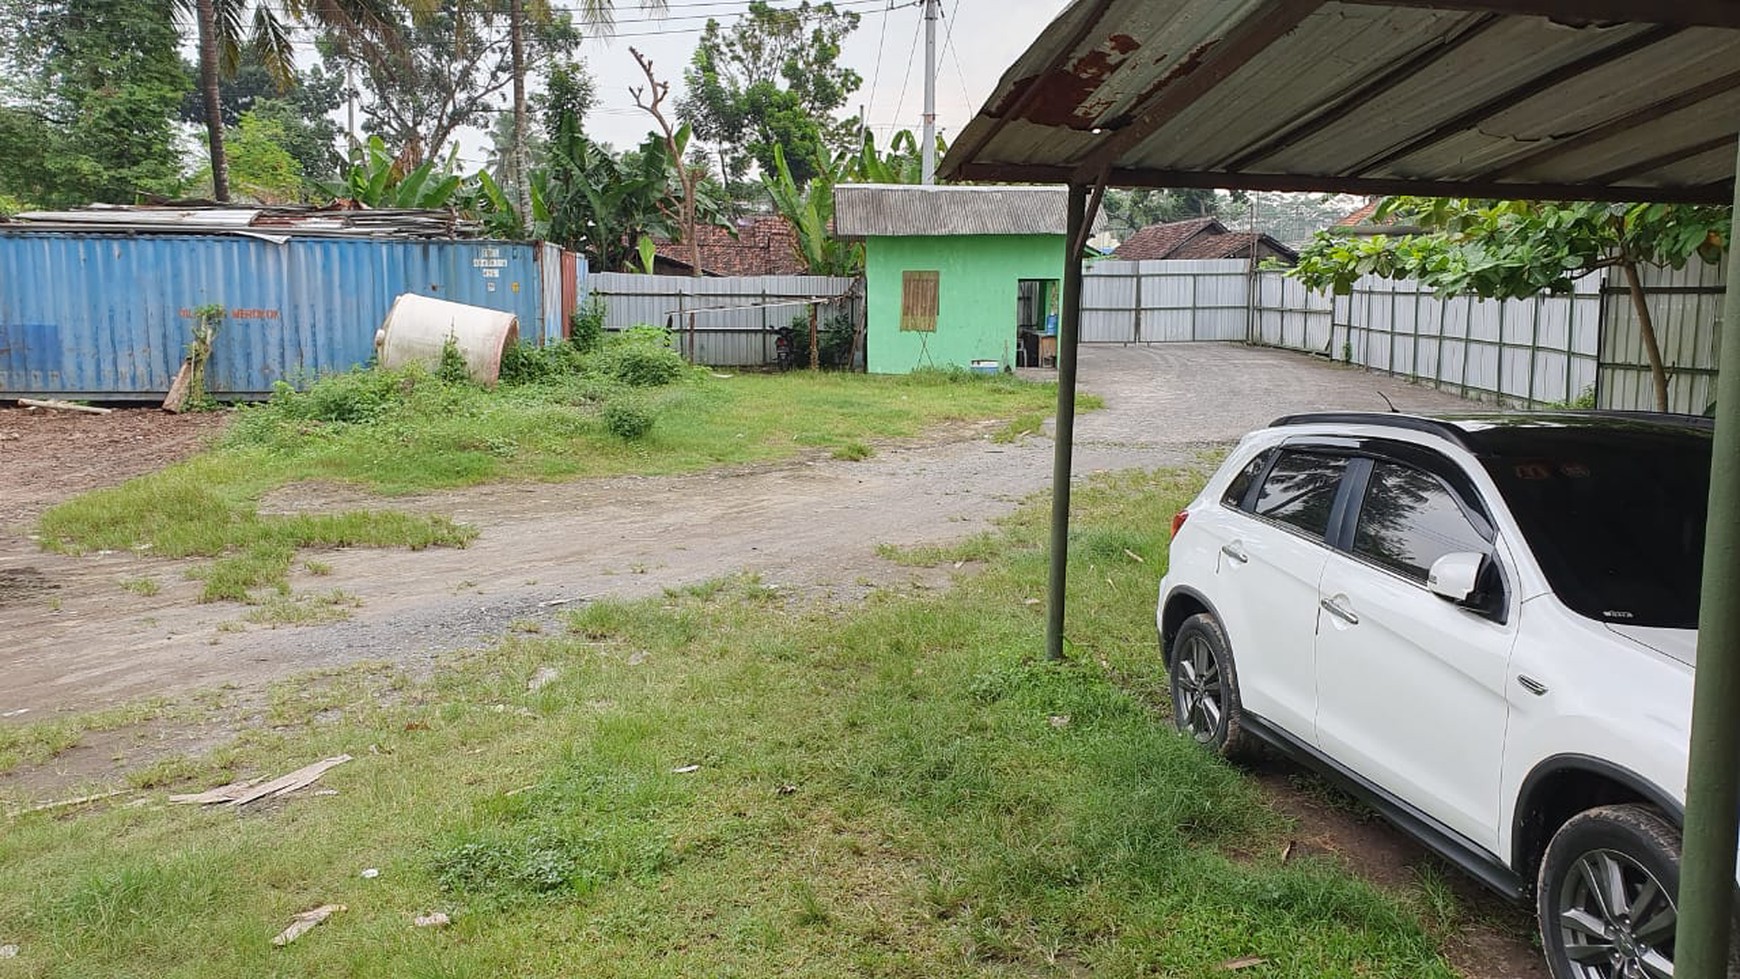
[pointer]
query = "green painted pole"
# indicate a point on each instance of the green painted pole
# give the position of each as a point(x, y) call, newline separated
point(1713, 772)
point(1063, 446)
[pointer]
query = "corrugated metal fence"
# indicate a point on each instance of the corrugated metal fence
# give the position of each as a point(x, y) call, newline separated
point(108, 316)
point(734, 319)
point(1148, 302)
point(1545, 350)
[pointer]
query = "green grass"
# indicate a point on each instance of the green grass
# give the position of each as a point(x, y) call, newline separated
point(1031, 423)
point(35, 742)
point(854, 452)
point(895, 788)
point(145, 586)
point(407, 431)
point(292, 610)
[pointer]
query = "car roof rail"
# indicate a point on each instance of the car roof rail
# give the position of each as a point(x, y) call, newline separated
point(1413, 423)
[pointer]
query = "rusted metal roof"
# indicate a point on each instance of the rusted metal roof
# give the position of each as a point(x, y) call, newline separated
point(338, 219)
point(874, 210)
point(1539, 98)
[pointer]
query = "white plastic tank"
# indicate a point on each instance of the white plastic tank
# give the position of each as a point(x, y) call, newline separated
point(417, 327)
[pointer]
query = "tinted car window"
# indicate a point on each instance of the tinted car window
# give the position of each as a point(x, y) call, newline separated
point(1300, 490)
point(1410, 519)
point(1615, 517)
point(1240, 487)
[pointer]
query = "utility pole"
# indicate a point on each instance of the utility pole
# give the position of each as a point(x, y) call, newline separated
point(350, 106)
point(522, 179)
point(929, 152)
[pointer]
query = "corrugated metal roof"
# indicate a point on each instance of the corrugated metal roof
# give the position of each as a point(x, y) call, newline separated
point(874, 210)
point(1369, 96)
point(338, 219)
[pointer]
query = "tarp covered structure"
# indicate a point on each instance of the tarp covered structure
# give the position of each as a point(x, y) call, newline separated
point(1625, 100)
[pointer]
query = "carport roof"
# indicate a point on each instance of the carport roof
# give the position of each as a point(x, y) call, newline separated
point(1605, 99)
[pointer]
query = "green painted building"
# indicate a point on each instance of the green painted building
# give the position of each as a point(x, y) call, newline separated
point(955, 275)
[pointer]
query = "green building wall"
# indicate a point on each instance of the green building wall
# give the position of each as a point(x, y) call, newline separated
point(977, 284)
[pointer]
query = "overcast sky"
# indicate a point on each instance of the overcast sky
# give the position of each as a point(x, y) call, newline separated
point(976, 41)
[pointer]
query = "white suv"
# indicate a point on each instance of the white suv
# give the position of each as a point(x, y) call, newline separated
point(1484, 626)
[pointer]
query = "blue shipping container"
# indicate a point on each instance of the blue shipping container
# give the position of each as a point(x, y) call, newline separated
point(107, 316)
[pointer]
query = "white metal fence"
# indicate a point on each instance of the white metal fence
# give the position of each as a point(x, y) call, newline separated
point(1544, 350)
point(728, 321)
point(1150, 302)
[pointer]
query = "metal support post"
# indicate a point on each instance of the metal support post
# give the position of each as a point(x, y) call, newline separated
point(1068, 332)
point(1706, 900)
point(928, 152)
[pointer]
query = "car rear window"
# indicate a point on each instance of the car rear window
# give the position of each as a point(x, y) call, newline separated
point(1616, 519)
point(1240, 487)
point(1300, 489)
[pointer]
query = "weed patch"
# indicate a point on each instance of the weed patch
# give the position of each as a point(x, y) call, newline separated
point(722, 781)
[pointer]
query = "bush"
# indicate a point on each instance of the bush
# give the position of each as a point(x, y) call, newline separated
point(586, 326)
point(641, 357)
point(452, 369)
point(359, 395)
point(628, 418)
point(522, 363)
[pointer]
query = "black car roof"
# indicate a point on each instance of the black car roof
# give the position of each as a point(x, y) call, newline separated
point(1501, 432)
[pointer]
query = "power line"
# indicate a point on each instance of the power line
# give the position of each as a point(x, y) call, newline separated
point(917, 29)
point(877, 72)
point(955, 54)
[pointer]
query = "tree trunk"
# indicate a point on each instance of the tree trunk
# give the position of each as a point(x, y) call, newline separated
point(206, 14)
point(1646, 327)
point(522, 163)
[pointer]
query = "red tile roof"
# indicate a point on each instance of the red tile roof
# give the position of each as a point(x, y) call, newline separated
point(1232, 244)
point(1163, 240)
point(763, 246)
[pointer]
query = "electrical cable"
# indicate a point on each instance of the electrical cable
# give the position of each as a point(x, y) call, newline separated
point(911, 56)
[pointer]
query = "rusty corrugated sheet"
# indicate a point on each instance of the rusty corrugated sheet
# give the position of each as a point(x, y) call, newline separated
point(1361, 91)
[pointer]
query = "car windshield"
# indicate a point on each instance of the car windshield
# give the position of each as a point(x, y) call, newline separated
point(1615, 516)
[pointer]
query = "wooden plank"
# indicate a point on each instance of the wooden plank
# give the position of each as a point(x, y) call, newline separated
point(918, 301)
point(61, 406)
point(176, 400)
point(1720, 192)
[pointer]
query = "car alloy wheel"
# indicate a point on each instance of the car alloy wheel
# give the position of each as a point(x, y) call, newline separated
point(1197, 694)
point(1615, 919)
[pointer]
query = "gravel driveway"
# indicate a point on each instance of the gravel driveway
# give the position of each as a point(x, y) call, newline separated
point(78, 640)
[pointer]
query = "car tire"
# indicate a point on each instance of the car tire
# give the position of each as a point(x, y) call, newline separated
point(1632, 851)
point(1205, 689)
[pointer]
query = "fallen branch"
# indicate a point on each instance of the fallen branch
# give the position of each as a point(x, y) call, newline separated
point(61, 406)
point(304, 922)
point(64, 803)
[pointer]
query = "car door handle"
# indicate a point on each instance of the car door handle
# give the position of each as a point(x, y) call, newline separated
point(1334, 607)
point(1236, 551)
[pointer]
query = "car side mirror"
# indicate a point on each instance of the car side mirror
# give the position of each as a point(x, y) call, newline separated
point(1456, 576)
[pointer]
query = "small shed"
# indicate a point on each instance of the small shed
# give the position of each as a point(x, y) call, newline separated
point(956, 276)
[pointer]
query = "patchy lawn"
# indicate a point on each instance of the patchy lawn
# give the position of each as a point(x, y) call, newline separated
point(404, 431)
point(725, 782)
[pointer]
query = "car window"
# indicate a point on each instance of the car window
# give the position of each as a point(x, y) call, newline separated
point(1300, 489)
point(1410, 519)
point(1240, 487)
point(1615, 517)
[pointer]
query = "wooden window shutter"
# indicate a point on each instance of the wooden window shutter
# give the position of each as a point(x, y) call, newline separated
point(918, 301)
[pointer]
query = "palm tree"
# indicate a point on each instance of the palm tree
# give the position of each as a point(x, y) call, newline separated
point(226, 26)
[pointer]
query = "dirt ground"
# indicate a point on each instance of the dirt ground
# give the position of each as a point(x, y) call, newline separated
point(77, 640)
